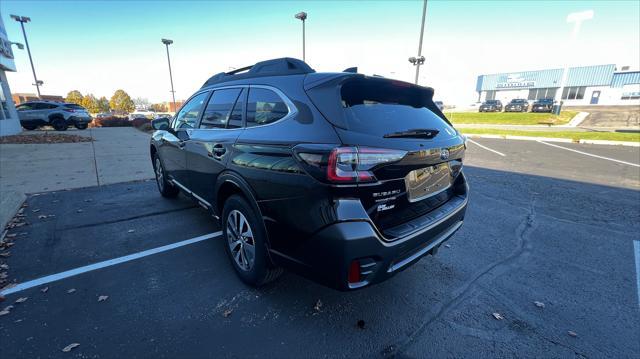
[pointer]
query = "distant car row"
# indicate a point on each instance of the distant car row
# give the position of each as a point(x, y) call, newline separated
point(517, 105)
point(61, 115)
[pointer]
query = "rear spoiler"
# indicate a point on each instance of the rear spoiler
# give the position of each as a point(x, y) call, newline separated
point(325, 88)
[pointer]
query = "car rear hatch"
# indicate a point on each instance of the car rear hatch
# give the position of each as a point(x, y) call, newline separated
point(409, 154)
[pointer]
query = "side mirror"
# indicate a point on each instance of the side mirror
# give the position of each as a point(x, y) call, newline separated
point(161, 123)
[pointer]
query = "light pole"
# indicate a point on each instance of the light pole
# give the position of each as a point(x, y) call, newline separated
point(168, 42)
point(417, 61)
point(302, 16)
point(22, 20)
point(576, 18)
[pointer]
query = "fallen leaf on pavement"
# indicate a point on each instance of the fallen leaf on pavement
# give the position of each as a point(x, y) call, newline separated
point(42, 216)
point(79, 211)
point(361, 324)
point(5, 254)
point(4, 312)
point(22, 299)
point(69, 347)
point(131, 231)
point(498, 316)
point(4, 266)
point(71, 290)
point(447, 245)
point(572, 333)
point(44, 290)
point(227, 313)
point(102, 298)
point(539, 304)
point(11, 235)
point(318, 305)
point(35, 210)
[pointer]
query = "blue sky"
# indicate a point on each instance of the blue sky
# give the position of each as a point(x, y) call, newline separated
point(99, 46)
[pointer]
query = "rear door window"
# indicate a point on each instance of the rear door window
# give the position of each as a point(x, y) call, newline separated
point(264, 106)
point(218, 110)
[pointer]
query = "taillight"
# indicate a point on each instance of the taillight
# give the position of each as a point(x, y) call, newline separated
point(354, 164)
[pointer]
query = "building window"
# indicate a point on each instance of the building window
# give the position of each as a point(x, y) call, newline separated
point(630, 92)
point(574, 93)
point(491, 95)
point(538, 94)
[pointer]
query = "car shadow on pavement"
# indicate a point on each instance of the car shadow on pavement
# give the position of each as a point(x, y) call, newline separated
point(526, 240)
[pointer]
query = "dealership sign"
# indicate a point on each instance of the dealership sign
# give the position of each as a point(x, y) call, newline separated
point(515, 81)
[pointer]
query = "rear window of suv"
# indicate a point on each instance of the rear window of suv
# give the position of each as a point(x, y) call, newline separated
point(382, 107)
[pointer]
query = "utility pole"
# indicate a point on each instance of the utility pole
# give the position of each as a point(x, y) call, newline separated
point(418, 61)
point(576, 18)
point(302, 16)
point(168, 42)
point(22, 20)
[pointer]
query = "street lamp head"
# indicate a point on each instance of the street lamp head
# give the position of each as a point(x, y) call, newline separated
point(412, 60)
point(19, 45)
point(301, 15)
point(580, 16)
point(20, 18)
point(167, 41)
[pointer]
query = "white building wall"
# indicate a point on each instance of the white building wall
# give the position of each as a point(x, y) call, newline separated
point(10, 125)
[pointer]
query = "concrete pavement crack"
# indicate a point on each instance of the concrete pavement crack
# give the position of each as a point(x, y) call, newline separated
point(523, 231)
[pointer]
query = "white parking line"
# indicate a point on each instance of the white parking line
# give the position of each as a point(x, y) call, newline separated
point(590, 154)
point(104, 264)
point(636, 250)
point(485, 147)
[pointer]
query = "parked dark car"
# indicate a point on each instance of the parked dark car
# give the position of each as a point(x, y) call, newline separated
point(542, 105)
point(343, 178)
point(517, 105)
point(491, 106)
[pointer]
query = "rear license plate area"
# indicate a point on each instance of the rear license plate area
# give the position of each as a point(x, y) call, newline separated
point(427, 182)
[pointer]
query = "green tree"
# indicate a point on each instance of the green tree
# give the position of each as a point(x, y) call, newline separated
point(103, 104)
point(122, 102)
point(90, 102)
point(74, 97)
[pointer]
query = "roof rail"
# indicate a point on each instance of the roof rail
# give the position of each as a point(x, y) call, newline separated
point(275, 67)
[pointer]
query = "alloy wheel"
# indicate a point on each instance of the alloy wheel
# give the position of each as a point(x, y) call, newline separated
point(240, 240)
point(159, 174)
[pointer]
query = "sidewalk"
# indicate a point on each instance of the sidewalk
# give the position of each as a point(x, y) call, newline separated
point(117, 154)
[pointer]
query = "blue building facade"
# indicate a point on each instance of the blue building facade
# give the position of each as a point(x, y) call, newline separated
point(586, 85)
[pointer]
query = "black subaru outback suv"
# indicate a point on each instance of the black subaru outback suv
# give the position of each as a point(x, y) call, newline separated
point(343, 178)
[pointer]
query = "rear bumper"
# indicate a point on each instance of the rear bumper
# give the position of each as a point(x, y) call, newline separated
point(328, 255)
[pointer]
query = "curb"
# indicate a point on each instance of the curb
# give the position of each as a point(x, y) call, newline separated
point(554, 139)
point(10, 203)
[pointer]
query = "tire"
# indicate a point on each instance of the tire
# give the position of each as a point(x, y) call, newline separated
point(29, 127)
point(244, 233)
point(165, 188)
point(82, 126)
point(59, 124)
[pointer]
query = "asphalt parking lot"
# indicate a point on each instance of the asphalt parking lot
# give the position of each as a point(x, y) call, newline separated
point(547, 247)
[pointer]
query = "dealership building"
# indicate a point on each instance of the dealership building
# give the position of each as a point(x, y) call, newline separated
point(586, 85)
point(9, 123)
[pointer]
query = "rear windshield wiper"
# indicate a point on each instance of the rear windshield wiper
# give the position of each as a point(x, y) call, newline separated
point(427, 133)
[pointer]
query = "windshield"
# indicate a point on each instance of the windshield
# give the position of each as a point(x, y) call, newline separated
point(491, 102)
